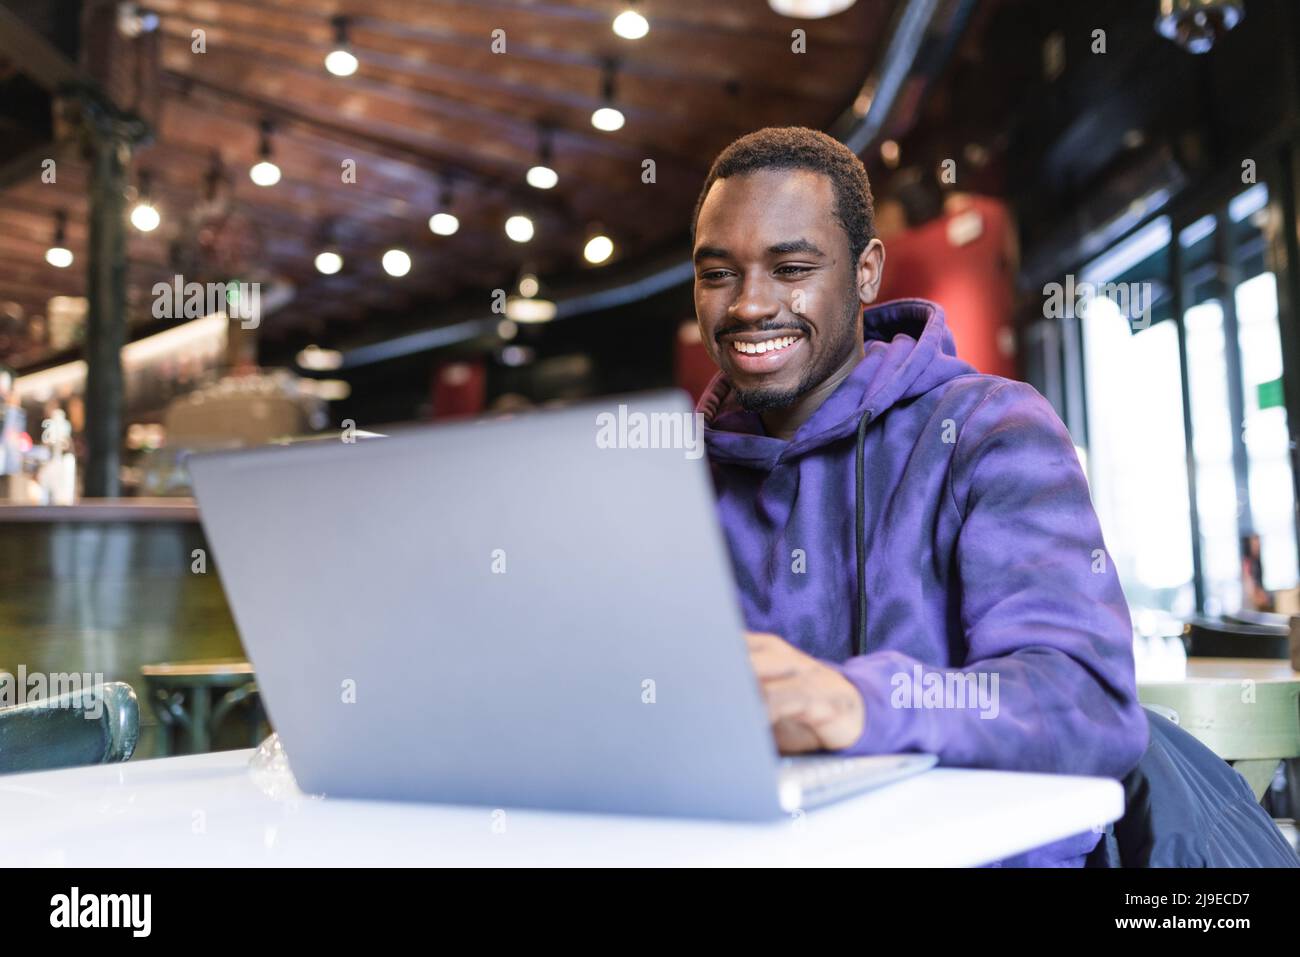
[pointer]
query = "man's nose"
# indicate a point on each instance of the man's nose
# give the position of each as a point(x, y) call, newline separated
point(755, 301)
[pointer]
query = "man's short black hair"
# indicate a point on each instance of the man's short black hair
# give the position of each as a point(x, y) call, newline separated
point(797, 147)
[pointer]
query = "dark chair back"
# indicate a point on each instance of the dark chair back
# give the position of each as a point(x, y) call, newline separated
point(1208, 638)
point(97, 726)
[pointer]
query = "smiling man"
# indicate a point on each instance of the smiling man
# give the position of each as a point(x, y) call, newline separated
point(914, 542)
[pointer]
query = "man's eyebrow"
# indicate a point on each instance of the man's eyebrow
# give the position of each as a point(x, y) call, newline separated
point(795, 246)
point(711, 252)
point(777, 249)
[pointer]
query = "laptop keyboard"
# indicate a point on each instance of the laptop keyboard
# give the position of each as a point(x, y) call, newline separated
point(811, 780)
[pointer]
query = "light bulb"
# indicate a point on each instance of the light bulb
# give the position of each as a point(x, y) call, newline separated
point(519, 228)
point(630, 25)
point(145, 218)
point(542, 177)
point(607, 119)
point(522, 309)
point(598, 249)
point(319, 360)
point(444, 224)
point(341, 62)
point(264, 173)
point(809, 9)
point(328, 262)
point(396, 263)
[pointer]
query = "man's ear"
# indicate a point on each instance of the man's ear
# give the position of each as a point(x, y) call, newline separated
point(871, 268)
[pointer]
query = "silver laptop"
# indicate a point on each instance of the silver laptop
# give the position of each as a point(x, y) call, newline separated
point(532, 611)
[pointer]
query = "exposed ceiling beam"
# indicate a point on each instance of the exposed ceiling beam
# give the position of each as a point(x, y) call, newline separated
point(37, 57)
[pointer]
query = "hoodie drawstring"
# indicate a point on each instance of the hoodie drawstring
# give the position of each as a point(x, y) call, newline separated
point(860, 535)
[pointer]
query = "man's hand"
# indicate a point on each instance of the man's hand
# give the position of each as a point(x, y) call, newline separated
point(812, 707)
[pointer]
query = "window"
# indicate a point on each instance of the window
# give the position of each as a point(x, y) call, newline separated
point(1245, 490)
point(1236, 551)
point(1136, 450)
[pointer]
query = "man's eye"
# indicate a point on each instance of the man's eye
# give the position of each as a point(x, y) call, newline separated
point(793, 270)
point(714, 274)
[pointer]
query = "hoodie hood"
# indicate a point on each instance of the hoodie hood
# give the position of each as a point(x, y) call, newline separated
point(909, 351)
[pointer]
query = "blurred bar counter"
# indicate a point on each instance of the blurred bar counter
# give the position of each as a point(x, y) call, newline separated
point(106, 586)
point(104, 510)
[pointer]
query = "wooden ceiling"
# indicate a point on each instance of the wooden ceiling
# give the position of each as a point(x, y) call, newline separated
point(431, 107)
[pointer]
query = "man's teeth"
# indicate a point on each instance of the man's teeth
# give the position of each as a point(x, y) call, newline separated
point(767, 345)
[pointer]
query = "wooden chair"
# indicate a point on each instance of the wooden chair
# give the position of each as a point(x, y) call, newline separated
point(98, 726)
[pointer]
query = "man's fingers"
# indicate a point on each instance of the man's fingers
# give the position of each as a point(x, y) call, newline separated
point(795, 737)
point(797, 698)
point(771, 663)
point(773, 657)
point(809, 706)
point(785, 699)
point(762, 640)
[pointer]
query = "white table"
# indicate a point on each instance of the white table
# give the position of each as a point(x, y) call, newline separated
point(210, 810)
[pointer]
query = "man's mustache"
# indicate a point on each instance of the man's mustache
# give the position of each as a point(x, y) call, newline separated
point(766, 327)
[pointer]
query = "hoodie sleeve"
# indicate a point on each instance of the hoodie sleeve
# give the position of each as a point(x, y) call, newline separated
point(1046, 625)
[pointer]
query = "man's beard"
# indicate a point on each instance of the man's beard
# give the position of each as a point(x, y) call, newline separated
point(769, 400)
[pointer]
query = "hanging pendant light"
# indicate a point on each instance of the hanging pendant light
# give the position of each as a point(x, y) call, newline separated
point(265, 172)
point(809, 9)
point(59, 255)
point(341, 61)
point(608, 117)
point(444, 222)
point(144, 215)
point(519, 228)
point(329, 258)
point(630, 24)
point(1196, 25)
point(542, 175)
point(599, 247)
point(396, 262)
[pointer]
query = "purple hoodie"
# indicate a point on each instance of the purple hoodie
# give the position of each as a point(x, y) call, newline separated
point(977, 553)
